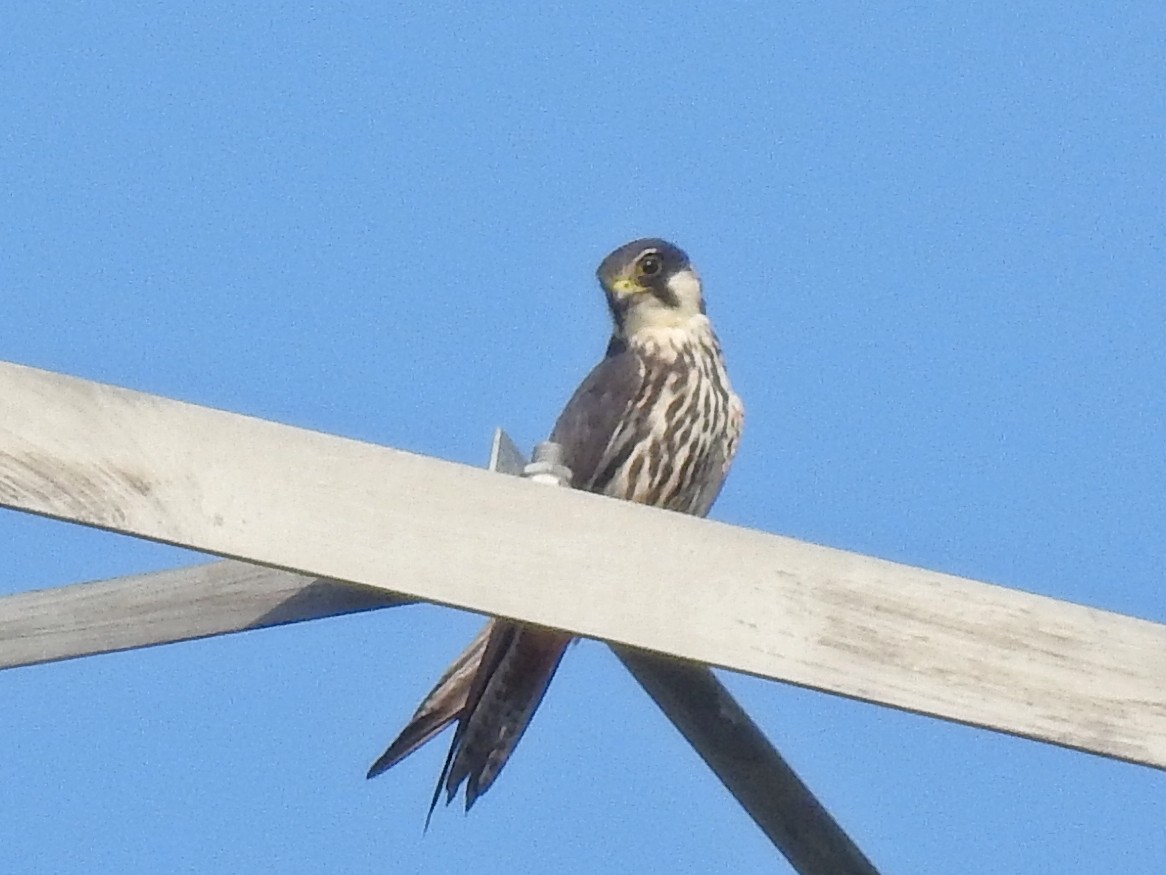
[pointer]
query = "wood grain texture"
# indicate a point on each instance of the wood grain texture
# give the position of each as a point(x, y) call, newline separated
point(227, 596)
point(771, 606)
point(147, 609)
point(215, 598)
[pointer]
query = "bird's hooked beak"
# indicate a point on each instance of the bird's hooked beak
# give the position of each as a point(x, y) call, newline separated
point(624, 286)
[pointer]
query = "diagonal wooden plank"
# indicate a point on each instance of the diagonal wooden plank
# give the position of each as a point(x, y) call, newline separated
point(213, 598)
point(747, 764)
point(199, 601)
point(168, 606)
point(827, 619)
point(227, 596)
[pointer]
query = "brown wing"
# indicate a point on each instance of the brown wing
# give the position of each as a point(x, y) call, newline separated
point(595, 412)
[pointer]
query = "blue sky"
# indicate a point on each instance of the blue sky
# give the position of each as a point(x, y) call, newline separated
point(933, 245)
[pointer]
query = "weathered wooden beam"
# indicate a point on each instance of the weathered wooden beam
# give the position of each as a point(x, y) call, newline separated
point(338, 509)
point(214, 598)
point(228, 596)
point(146, 609)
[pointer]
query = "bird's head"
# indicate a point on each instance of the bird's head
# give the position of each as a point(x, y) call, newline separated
point(650, 284)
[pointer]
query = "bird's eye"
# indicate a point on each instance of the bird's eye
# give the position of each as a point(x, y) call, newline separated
point(650, 265)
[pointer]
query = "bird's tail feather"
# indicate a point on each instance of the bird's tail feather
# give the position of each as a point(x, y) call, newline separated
point(441, 707)
point(492, 691)
point(516, 666)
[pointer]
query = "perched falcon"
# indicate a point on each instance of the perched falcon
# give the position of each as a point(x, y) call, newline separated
point(655, 422)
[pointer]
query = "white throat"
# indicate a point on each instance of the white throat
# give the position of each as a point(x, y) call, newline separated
point(650, 313)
